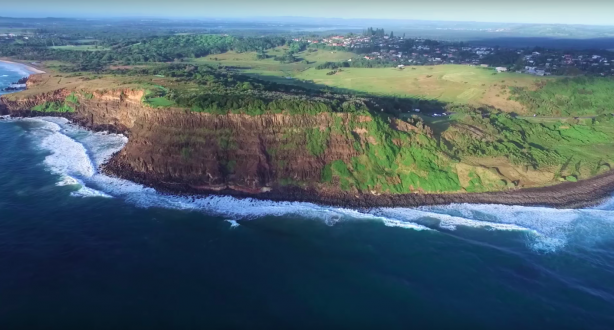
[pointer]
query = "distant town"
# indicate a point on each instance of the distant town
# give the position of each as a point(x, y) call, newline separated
point(383, 49)
point(392, 49)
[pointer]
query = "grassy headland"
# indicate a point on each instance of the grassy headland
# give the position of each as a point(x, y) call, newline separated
point(388, 151)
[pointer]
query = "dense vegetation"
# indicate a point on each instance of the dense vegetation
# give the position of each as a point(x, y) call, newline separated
point(570, 147)
point(148, 50)
point(569, 97)
point(68, 105)
point(358, 63)
point(394, 161)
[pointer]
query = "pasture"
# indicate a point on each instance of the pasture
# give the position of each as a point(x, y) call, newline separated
point(250, 64)
point(461, 84)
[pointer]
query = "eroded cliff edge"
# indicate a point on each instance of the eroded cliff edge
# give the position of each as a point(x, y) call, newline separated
point(265, 156)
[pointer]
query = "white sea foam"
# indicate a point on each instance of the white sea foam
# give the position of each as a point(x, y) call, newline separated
point(67, 181)
point(89, 192)
point(75, 155)
point(67, 158)
point(403, 224)
point(17, 68)
point(233, 224)
point(550, 228)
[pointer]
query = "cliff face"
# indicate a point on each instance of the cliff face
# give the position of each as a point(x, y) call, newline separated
point(202, 151)
point(245, 153)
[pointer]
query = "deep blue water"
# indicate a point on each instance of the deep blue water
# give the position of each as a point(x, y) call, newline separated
point(79, 250)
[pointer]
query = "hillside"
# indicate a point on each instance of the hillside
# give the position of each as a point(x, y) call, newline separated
point(188, 135)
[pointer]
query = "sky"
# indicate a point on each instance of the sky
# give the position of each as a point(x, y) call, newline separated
point(592, 12)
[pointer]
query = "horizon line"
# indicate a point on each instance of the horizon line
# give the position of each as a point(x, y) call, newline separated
point(197, 18)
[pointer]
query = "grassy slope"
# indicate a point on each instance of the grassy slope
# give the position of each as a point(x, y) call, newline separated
point(448, 83)
point(537, 152)
point(580, 96)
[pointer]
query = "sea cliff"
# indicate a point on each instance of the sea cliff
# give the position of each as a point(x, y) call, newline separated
point(183, 152)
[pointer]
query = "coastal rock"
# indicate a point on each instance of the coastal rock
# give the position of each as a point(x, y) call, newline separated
point(265, 156)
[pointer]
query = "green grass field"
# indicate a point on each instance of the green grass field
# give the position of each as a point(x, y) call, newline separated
point(160, 102)
point(448, 83)
point(270, 67)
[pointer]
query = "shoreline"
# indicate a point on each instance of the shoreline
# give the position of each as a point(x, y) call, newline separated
point(569, 195)
point(31, 70)
point(584, 193)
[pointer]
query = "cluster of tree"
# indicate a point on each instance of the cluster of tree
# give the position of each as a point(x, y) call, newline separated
point(297, 46)
point(253, 104)
point(155, 49)
point(505, 58)
point(358, 63)
point(323, 46)
point(287, 57)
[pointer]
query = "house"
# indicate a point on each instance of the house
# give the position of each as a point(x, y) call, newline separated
point(501, 69)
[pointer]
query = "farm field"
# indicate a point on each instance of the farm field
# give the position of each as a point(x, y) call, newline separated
point(448, 83)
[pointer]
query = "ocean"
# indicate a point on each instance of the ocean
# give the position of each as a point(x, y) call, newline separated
point(81, 250)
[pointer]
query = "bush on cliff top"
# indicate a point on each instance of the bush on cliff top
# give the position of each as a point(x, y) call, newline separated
point(53, 107)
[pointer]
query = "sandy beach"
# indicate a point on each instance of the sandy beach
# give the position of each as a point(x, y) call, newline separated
point(29, 68)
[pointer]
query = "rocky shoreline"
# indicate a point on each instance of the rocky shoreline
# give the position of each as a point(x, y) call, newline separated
point(17, 86)
point(569, 195)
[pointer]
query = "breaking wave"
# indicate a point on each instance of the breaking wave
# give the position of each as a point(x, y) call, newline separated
point(18, 68)
point(76, 154)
